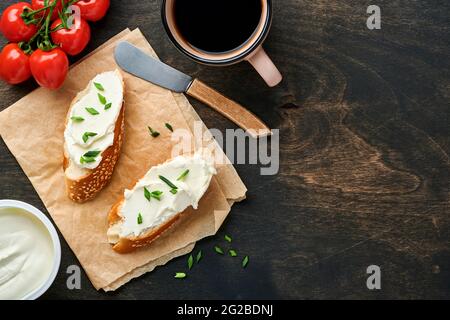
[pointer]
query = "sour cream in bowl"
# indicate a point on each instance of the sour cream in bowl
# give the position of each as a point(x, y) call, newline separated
point(30, 251)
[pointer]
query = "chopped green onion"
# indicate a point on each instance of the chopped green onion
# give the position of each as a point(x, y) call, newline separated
point(183, 175)
point(89, 157)
point(99, 86)
point(87, 135)
point(153, 133)
point(92, 111)
point(190, 262)
point(167, 181)
point(168, 126)
point(101, 98)
point(147, 194)
point(156, 194)
point(84, 160)
point(218, 249)
point(245, 262)
point(91, 154)
point(77, 119)
point(199, 256)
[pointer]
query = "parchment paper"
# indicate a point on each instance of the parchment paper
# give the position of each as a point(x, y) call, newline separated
point(33, 129)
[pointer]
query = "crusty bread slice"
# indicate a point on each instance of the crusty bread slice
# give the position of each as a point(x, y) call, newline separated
point(84, 184)
point(136, 221)
point(127, 245)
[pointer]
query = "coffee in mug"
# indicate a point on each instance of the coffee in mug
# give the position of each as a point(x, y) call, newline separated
point(229, 23)
point(222, 32)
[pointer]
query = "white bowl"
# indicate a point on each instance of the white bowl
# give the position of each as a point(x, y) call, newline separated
point(55, 239)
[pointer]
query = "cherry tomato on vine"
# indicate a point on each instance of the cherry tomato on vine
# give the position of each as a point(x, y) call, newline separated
point(72, 41)
point(93, 10)
point(14, 64)
point(39, 4)
point(49, 68)
point(13, 26)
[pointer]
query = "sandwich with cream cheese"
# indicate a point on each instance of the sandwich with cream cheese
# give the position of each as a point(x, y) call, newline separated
point(93, 136)
point(158, 201)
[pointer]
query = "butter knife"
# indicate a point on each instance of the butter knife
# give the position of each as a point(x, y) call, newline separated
point(141, 65)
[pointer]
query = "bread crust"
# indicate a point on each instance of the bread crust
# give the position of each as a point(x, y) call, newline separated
point(88, 186)
point(130, 244)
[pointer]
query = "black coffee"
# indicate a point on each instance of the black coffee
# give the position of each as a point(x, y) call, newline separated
point(217, 25)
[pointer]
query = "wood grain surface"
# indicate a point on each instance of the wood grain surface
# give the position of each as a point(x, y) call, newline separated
point(364, 157)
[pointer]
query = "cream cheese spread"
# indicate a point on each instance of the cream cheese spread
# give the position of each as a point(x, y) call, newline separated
point(26, 253)
point(165, 191)
point(92, 120)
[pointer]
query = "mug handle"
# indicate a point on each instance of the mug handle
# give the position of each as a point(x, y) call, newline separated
point(265, 67)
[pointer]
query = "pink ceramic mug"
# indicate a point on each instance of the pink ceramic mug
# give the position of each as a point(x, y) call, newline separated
point(251, 50)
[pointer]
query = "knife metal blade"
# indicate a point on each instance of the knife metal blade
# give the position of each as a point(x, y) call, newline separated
point(138, 63)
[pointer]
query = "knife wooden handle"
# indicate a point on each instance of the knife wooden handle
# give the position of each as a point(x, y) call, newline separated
point(230, 109)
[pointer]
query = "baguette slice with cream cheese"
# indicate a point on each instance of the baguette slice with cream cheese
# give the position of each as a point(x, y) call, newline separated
point(158, 201)
point(93, 136)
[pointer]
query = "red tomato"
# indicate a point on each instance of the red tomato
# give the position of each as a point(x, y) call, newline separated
point(38, 4)
point(14, 64)
point(12, 25)
point(72, 41)
point(93, 10)
point(49, 68)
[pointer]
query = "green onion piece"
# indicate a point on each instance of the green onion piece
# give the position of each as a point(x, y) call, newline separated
point(139, 218)
point(153, 133)
point(77, 119)
point(218, 249)
point(87, 135)
point(232, 253)
point(91, 154)
point(84, 160)
point(156, 194)
point(245, 262)
point(168, 126)
point(107, 106)
point(183, 175)
point(228, 238)
point(89, 157)
point(92, 111)
point(199, 256)
point(167, 181)
point(180, 275)
point(190, 262)
point(101, 98)
point(99, 86)
point(147, 194)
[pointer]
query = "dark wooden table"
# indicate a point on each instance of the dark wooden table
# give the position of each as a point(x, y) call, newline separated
point(365, 144)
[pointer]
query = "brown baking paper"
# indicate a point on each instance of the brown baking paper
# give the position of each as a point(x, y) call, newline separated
point(33, 129)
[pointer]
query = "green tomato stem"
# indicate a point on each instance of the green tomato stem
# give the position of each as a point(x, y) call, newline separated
point(28, 15)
